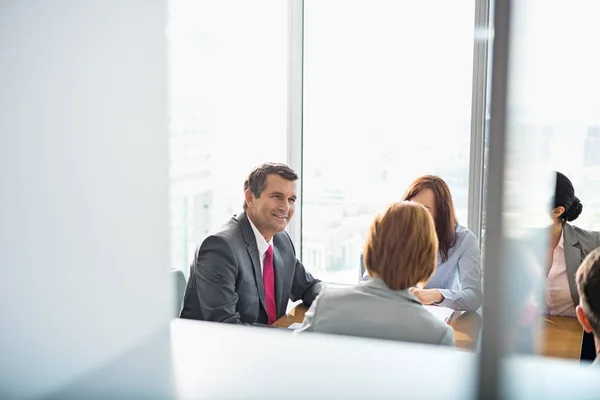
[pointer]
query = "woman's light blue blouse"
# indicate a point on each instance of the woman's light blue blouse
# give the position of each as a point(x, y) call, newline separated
point(459, 278)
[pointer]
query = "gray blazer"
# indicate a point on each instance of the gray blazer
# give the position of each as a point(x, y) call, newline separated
point(226, 283)
point(372, 309)
point(577, 243)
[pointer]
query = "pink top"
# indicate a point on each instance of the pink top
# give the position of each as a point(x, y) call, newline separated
point(558, 293)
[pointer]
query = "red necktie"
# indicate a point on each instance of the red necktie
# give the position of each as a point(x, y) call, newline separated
point(269, 283)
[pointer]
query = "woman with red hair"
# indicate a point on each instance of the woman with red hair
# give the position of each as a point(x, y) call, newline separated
point(456, 282)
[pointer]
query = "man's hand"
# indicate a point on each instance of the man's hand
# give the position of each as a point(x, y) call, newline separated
point(427, 296)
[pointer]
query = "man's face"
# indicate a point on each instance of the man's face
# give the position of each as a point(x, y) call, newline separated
point(273, 209)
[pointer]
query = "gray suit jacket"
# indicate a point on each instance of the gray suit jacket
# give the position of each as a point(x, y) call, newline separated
point(577, 243)
point(226, 283)
point(372, 309)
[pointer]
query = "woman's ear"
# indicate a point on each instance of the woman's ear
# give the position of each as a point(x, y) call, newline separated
point(558, 211)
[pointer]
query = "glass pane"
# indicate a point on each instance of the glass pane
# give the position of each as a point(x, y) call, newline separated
point(227, 104)
point(552, 116)
point(387, 98)
point(556, 104)
point(564, 102)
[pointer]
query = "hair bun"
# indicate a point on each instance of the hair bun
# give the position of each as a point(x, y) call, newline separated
point(574, 210)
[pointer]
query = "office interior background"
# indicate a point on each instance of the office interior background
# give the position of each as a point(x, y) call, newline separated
point(387, 94)
point(128, 128)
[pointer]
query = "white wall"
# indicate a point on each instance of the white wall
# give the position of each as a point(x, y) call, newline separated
point(83, 186)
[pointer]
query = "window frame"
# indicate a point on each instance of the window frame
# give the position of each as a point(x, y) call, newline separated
point(479, 114)
point(295, 110)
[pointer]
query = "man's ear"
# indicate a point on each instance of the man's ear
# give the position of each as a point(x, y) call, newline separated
point(249, 197)
point(583, 319)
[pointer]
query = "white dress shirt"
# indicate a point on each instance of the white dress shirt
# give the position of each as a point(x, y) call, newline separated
point(558, 293)
point(261, 244)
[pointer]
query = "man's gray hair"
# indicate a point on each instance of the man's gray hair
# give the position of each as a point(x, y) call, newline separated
point(257, 180)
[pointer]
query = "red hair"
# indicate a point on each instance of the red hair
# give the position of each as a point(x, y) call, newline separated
point(445, 217)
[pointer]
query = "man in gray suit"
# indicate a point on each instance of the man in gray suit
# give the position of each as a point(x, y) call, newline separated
point(247, 272)
point(588, 286)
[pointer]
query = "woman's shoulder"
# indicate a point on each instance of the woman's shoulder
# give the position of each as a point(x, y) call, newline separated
point(464, 235)
point(583, 235)
point(581, 231)
point(335, 293)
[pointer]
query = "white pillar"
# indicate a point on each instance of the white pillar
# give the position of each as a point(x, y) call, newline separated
point(83, 187)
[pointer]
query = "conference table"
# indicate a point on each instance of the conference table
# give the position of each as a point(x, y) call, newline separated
point(560, 336)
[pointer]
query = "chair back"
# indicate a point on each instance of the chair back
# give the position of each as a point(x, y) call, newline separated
point(179, 284)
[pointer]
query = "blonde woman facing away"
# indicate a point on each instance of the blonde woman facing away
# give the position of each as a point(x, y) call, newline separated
point(400, 252)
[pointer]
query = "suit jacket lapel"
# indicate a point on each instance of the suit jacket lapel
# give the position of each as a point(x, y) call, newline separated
point(250, 240)
point(279, 278)
point(573, 258)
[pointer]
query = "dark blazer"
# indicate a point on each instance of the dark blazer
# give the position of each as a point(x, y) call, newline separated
point(226, 283)
point(577, 243)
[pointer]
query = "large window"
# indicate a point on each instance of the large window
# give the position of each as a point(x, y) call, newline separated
point(549, 119)
point(387, 98)
point(560, 94)
point(228, 109)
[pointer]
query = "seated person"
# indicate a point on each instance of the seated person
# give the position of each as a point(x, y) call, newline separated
point(588, 287)
point(568, 247)
point(457, 280)
point(400, 251)
point(247, 272)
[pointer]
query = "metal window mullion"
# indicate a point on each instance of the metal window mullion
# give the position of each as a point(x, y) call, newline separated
point(494, 331)
point(294, 110)
point(478, 118)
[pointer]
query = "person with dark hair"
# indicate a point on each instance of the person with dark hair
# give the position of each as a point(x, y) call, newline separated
point(588, 287)
point(569, 245)
point(456, 282)
point(247, 272)
point(400, 252)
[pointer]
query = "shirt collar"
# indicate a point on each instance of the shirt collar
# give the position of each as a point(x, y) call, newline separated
point(561, 241)
point(378, 283)
point(261, 243)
